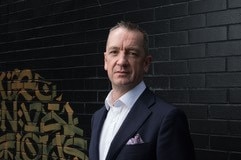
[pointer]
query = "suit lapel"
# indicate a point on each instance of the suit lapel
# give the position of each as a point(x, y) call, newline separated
point(136, 117)
point(99, 120)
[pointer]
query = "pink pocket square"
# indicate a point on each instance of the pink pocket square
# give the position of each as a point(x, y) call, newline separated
point(136, 140)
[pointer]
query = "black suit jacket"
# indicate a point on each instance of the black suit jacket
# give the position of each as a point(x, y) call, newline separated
point(163, 128)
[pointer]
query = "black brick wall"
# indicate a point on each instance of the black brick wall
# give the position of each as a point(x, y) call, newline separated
point(196, 45)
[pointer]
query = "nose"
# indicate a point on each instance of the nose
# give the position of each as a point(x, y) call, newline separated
point(122, 59)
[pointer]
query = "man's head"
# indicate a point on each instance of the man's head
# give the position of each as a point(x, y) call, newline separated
point(134, 27)
point(126, 57)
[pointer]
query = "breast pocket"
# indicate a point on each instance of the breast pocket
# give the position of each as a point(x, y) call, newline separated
point(142, 151)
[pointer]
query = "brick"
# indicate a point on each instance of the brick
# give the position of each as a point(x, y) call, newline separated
point(152, 41)
point(224, 17)
point(109, 21)
point(199, 126)
point(188, 52)
point(234, 32)
point(3, 28)
point(118, 7)
point(96, 35)
point(4, 19)
point(187, 81)
point(156, 27)
point(234, 3)
point(83, 72)
point(235, 128)
point(150, 3)
point(209, 127)
point(211, 155)
point(96, 84)
point(140, 15)
point(173, 96)
point(171, 39)
point(4, 9)
point(91, 12)
point(84, 25)
point(235, 156)
point(26, 34)
point(227, 112)
point(50, 41)
point(207, 65)
point(170, 68)
point(189, 22)
point(208, 34)
point(173, 1)
point(225, 143)
point(21, 15)
point(63, 6)
point(91, 108)
point(71, 84)
point(65, 50)
point(176, 10)
point(194, 111)
point(4, 47)
point(155, 3)
point(234, 94)
point(203, 6)
point(68, 95)
point(223, 80)
point(159, 54)
point(157, 82)
point(72, 16)
point(73, 38)
point(200, 141)
point(7, 37)
point(234, 63)
point(94, 59)
point(84, 96)
point(54, 74)
point(82, 48)
point(68, 72)
point(224, 48)
point(208, 96)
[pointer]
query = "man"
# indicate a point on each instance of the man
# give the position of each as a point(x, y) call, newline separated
point(135, 124)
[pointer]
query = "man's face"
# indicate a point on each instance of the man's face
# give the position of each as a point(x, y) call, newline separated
point(125, 60)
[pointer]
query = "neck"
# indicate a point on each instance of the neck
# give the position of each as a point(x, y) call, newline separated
point(116, 94)
point(118, 91)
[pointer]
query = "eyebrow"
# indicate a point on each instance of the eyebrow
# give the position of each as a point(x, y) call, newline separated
point(129, 48)
point(113, 47)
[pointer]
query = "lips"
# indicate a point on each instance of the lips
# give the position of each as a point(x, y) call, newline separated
point(121, 72)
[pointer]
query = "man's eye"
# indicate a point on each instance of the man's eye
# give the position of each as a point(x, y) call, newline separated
point(113, 52)
point(133, 53)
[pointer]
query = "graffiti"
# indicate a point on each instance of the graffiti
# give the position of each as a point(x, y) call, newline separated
point(35, 124)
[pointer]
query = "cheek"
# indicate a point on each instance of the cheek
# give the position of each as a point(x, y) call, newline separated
point(108, 66)
point(105, 66)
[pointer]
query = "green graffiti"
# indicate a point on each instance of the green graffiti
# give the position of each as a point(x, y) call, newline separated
point(35, 124)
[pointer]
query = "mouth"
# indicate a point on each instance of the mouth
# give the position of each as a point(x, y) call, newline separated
point(121, 72)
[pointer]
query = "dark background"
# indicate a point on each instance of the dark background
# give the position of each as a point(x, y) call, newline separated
point(196, 48)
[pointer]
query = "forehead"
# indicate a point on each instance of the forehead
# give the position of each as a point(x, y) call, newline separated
point(120, 36)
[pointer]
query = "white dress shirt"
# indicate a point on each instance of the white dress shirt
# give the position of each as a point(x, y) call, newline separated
point(116, 115)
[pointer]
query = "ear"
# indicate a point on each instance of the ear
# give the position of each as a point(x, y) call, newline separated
point(105, 61)
point(147, 62)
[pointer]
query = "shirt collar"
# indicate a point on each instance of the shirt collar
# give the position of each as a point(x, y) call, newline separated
point(128, 99)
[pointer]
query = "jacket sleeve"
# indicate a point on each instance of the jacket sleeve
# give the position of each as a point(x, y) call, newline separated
point(174, 141)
